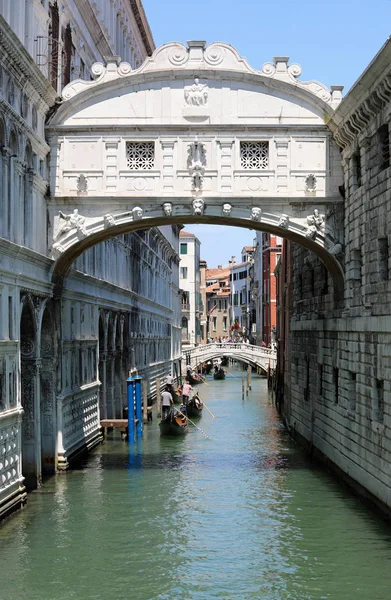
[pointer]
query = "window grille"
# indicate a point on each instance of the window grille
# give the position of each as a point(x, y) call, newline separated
point(254, 155)
point(140, 155)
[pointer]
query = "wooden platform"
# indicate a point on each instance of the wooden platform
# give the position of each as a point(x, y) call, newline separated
point(121, 424)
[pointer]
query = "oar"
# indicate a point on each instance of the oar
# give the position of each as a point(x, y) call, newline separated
point(206, 407)
point(229, 373)
point(204, 380)
point(186, 417)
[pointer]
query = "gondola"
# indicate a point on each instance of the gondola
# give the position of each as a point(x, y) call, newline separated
point(174, 423)
point(220, 374)
point(194, 406)
point(224, 361)
point(208, 368)
point(192, 380)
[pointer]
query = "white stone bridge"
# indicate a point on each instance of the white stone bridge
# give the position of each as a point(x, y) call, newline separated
point(261, 358)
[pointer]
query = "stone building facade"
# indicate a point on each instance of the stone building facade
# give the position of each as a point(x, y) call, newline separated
point(65, 350)
point(190, 283)
point(335, 350)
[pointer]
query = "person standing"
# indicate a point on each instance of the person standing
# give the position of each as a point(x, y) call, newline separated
point(186, 392)
point(169, 382)
point(167, 401)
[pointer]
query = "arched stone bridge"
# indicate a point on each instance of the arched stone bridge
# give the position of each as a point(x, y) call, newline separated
point(195, 135)
point(261, 358)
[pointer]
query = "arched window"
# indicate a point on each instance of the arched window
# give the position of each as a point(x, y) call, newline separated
point(13, 145)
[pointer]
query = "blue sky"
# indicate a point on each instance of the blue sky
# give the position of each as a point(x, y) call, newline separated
point(333, 41)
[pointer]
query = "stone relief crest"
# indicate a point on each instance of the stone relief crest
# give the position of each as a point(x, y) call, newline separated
point(196, 163)
point(310, 183)
point(196, 94)
point(82, 185)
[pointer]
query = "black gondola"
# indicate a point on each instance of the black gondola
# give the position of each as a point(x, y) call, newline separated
point(208, 368)
point(174, 423)
point(219, 374)
point(192, 380)
point(194, 406)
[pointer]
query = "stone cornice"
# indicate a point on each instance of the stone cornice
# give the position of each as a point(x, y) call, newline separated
point(90, 21)
point(368, 96)
point(26, 67)
point(142, 24)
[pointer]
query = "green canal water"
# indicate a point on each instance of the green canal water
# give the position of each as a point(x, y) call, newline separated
point(243, 515)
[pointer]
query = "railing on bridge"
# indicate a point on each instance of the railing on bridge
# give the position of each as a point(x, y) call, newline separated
point(264, 358)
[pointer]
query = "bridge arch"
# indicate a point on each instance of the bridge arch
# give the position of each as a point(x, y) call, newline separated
point(195, 135)
point(261, 358)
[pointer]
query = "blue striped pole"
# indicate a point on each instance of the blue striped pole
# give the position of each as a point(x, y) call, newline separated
point(130, 390)
point(139, 412)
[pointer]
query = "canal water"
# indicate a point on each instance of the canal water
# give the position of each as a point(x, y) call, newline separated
point(242, 515)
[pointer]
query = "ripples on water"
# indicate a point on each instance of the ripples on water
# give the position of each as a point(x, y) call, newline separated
point(242, 516)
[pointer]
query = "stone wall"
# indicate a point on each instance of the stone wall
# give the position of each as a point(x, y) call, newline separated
point(338, 362)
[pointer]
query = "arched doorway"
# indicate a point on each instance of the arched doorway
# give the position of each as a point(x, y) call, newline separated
point(47, 391)
point(31, 455)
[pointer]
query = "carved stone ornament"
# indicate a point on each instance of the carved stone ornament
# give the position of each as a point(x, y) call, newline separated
point(197, 178)
point(82, 185)
point(109, 221)
point(69, 222)
point(315, 224)
point(227, 209)
point(310, 183)
point(283, 221)
point(196, 94)
point(137, 213)
point(167, 209)
point(336, 249)
point(198, 205)
point(256, 213)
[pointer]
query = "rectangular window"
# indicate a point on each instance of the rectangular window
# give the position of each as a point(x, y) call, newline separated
point(384, 147)
point(307, 380)
point(214, 323)
point(357, 171)
point(236, 299)
point(225, 304)
point(10, 319)
point(352, 394)
point(336, 384)
point(219, 304)
point(383, 258)
point(254, 155)
point(235, 276)
point(378, 401)
point(183, 272)
point(320, 380)
point(225, 323)
point(140, 156)
point(183, 249)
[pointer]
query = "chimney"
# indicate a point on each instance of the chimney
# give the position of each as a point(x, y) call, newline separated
point(220, 267)
point(233, 259)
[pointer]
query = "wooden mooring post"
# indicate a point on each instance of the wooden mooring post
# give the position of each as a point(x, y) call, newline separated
point(145, 401)
point(158, 398)
point(249, 374)
point(242, 384)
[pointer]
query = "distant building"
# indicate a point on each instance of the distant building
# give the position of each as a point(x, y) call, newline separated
point(240, 291)
point(271, 252)
point(190, 284)
point(218, 302)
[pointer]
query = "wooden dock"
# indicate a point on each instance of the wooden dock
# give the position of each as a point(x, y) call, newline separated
point(121, 424)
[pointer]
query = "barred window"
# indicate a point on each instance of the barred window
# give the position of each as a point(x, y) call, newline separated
point(384, 142)
point(254, 155)
point(140, 155)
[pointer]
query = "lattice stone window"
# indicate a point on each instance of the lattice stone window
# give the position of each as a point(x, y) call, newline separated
point(254, 155)
point(140, 155)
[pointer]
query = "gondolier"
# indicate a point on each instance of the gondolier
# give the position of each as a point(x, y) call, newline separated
point(186, 392)
point(167, 401)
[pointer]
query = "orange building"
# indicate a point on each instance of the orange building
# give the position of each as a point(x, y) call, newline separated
point(271, 252)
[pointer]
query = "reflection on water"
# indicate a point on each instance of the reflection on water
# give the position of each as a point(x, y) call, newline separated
point(243, 515)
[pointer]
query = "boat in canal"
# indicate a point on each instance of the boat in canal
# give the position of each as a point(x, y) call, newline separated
point(194, 406)
point(193, 380)
point(174, 422)
point(219, 374)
